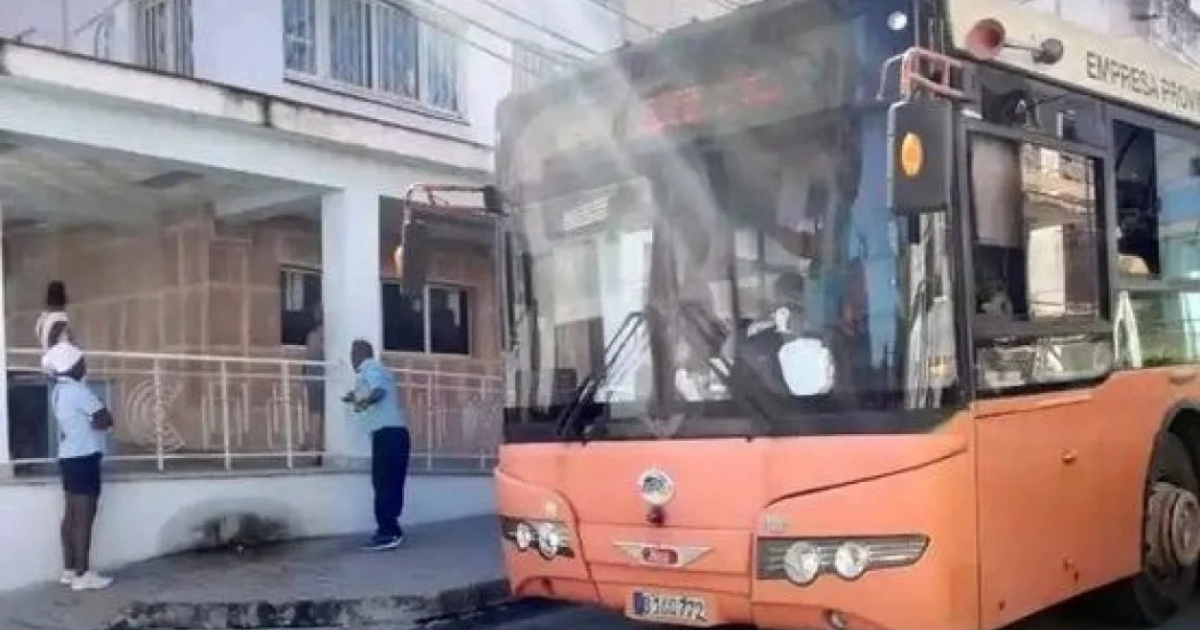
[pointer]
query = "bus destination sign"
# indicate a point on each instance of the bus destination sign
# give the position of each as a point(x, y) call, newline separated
point(809, 72)
point(722, 101)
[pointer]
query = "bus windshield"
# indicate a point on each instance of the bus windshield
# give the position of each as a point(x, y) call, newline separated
point(703, 247)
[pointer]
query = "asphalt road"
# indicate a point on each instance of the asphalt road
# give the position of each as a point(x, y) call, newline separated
point(588, 619)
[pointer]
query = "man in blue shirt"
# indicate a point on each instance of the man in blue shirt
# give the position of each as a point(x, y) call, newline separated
point(378, 407)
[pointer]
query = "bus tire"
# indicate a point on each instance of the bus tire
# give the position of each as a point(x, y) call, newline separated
point(1169, 546)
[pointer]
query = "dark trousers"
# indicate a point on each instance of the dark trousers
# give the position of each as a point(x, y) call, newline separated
point(389, 469)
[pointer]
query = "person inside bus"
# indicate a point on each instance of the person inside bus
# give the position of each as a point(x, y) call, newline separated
point(784, 353)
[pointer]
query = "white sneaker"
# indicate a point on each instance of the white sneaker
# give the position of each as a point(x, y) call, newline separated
point(90, 581)
point(67, 578)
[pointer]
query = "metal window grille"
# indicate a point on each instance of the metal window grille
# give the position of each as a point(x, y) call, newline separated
point(164, 30)
point(300, 35)
point(385, 47)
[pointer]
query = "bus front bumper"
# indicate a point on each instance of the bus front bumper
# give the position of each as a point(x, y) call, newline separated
point(703, 577)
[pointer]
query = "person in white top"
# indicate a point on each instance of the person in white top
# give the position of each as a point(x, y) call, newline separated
point(83, 426)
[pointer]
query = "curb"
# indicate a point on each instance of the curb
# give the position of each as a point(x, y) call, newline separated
point(408, 611)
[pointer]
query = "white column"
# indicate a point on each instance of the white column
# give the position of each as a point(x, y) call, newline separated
point(353, 308)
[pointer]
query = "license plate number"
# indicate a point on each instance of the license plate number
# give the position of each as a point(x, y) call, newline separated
point(677, 608)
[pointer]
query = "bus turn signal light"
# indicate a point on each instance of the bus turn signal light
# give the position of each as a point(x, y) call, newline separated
point(801, 561)
point(912, 155)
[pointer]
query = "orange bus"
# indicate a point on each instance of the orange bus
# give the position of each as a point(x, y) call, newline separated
point(855, 314)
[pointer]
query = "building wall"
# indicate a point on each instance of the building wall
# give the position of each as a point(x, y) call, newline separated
point(169, 514)
point(193, 286)
point(239, 42)
point(199, 287)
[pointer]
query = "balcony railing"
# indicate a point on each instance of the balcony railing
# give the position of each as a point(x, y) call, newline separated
point(200, 412)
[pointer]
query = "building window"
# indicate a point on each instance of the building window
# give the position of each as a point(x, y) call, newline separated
point(382, 47)
point(350, 42)
point(436, 322)
point(300, 35)
point(300, 293)
point(403, 320)
point(439, 82)
point(398, 37)
point(164, 35)
point(533, 64)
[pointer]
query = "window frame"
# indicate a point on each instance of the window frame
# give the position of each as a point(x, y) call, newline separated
point(525, 51)
point(1145, 287)
point(1158, 125)
point(1102, 173)
point(469, 292)
point(172, 10)
point(303, 271)
point(973, 337)
point(322, 77)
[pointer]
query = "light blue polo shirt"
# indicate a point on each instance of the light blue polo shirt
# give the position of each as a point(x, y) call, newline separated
point(73, 405)
point(388, 412)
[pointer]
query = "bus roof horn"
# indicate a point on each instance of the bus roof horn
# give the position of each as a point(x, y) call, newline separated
point(988, 38)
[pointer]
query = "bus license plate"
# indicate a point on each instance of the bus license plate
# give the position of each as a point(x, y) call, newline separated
point(669, 608)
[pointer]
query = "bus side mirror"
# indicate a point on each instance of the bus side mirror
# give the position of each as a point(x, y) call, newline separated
point(412, 255)
point(921, 156)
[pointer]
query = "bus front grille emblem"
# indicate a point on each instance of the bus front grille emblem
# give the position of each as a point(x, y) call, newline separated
point(656, 487)
point(662, 555)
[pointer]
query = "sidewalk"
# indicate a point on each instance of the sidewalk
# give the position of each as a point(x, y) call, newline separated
point(443, 568)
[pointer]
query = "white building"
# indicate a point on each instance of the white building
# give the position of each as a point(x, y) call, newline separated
point(644, 18)
point(202, 174)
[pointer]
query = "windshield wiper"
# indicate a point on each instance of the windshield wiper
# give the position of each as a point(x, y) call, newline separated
point(567, 421)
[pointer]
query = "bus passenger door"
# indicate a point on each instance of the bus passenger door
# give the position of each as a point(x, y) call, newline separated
point(1041, 339)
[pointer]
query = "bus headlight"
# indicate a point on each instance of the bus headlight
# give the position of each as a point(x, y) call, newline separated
point(851, 559)
point(803, 560)
point(802, 563)
point(552, 539)
point(524, 536)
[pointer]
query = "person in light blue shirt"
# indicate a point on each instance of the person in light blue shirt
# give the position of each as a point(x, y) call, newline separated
point(378, 407)
point(83, 426)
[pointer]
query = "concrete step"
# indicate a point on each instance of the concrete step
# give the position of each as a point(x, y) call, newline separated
point(400, 611)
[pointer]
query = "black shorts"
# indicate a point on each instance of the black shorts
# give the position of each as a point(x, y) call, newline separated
point(81, 475)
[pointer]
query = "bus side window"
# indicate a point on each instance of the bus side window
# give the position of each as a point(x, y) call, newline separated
point(1038, 265)
point(1137, 228)
point(1158, 241)
point(997, 194)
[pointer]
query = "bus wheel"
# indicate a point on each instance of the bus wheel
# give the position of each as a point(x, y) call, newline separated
point(1171, 543)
